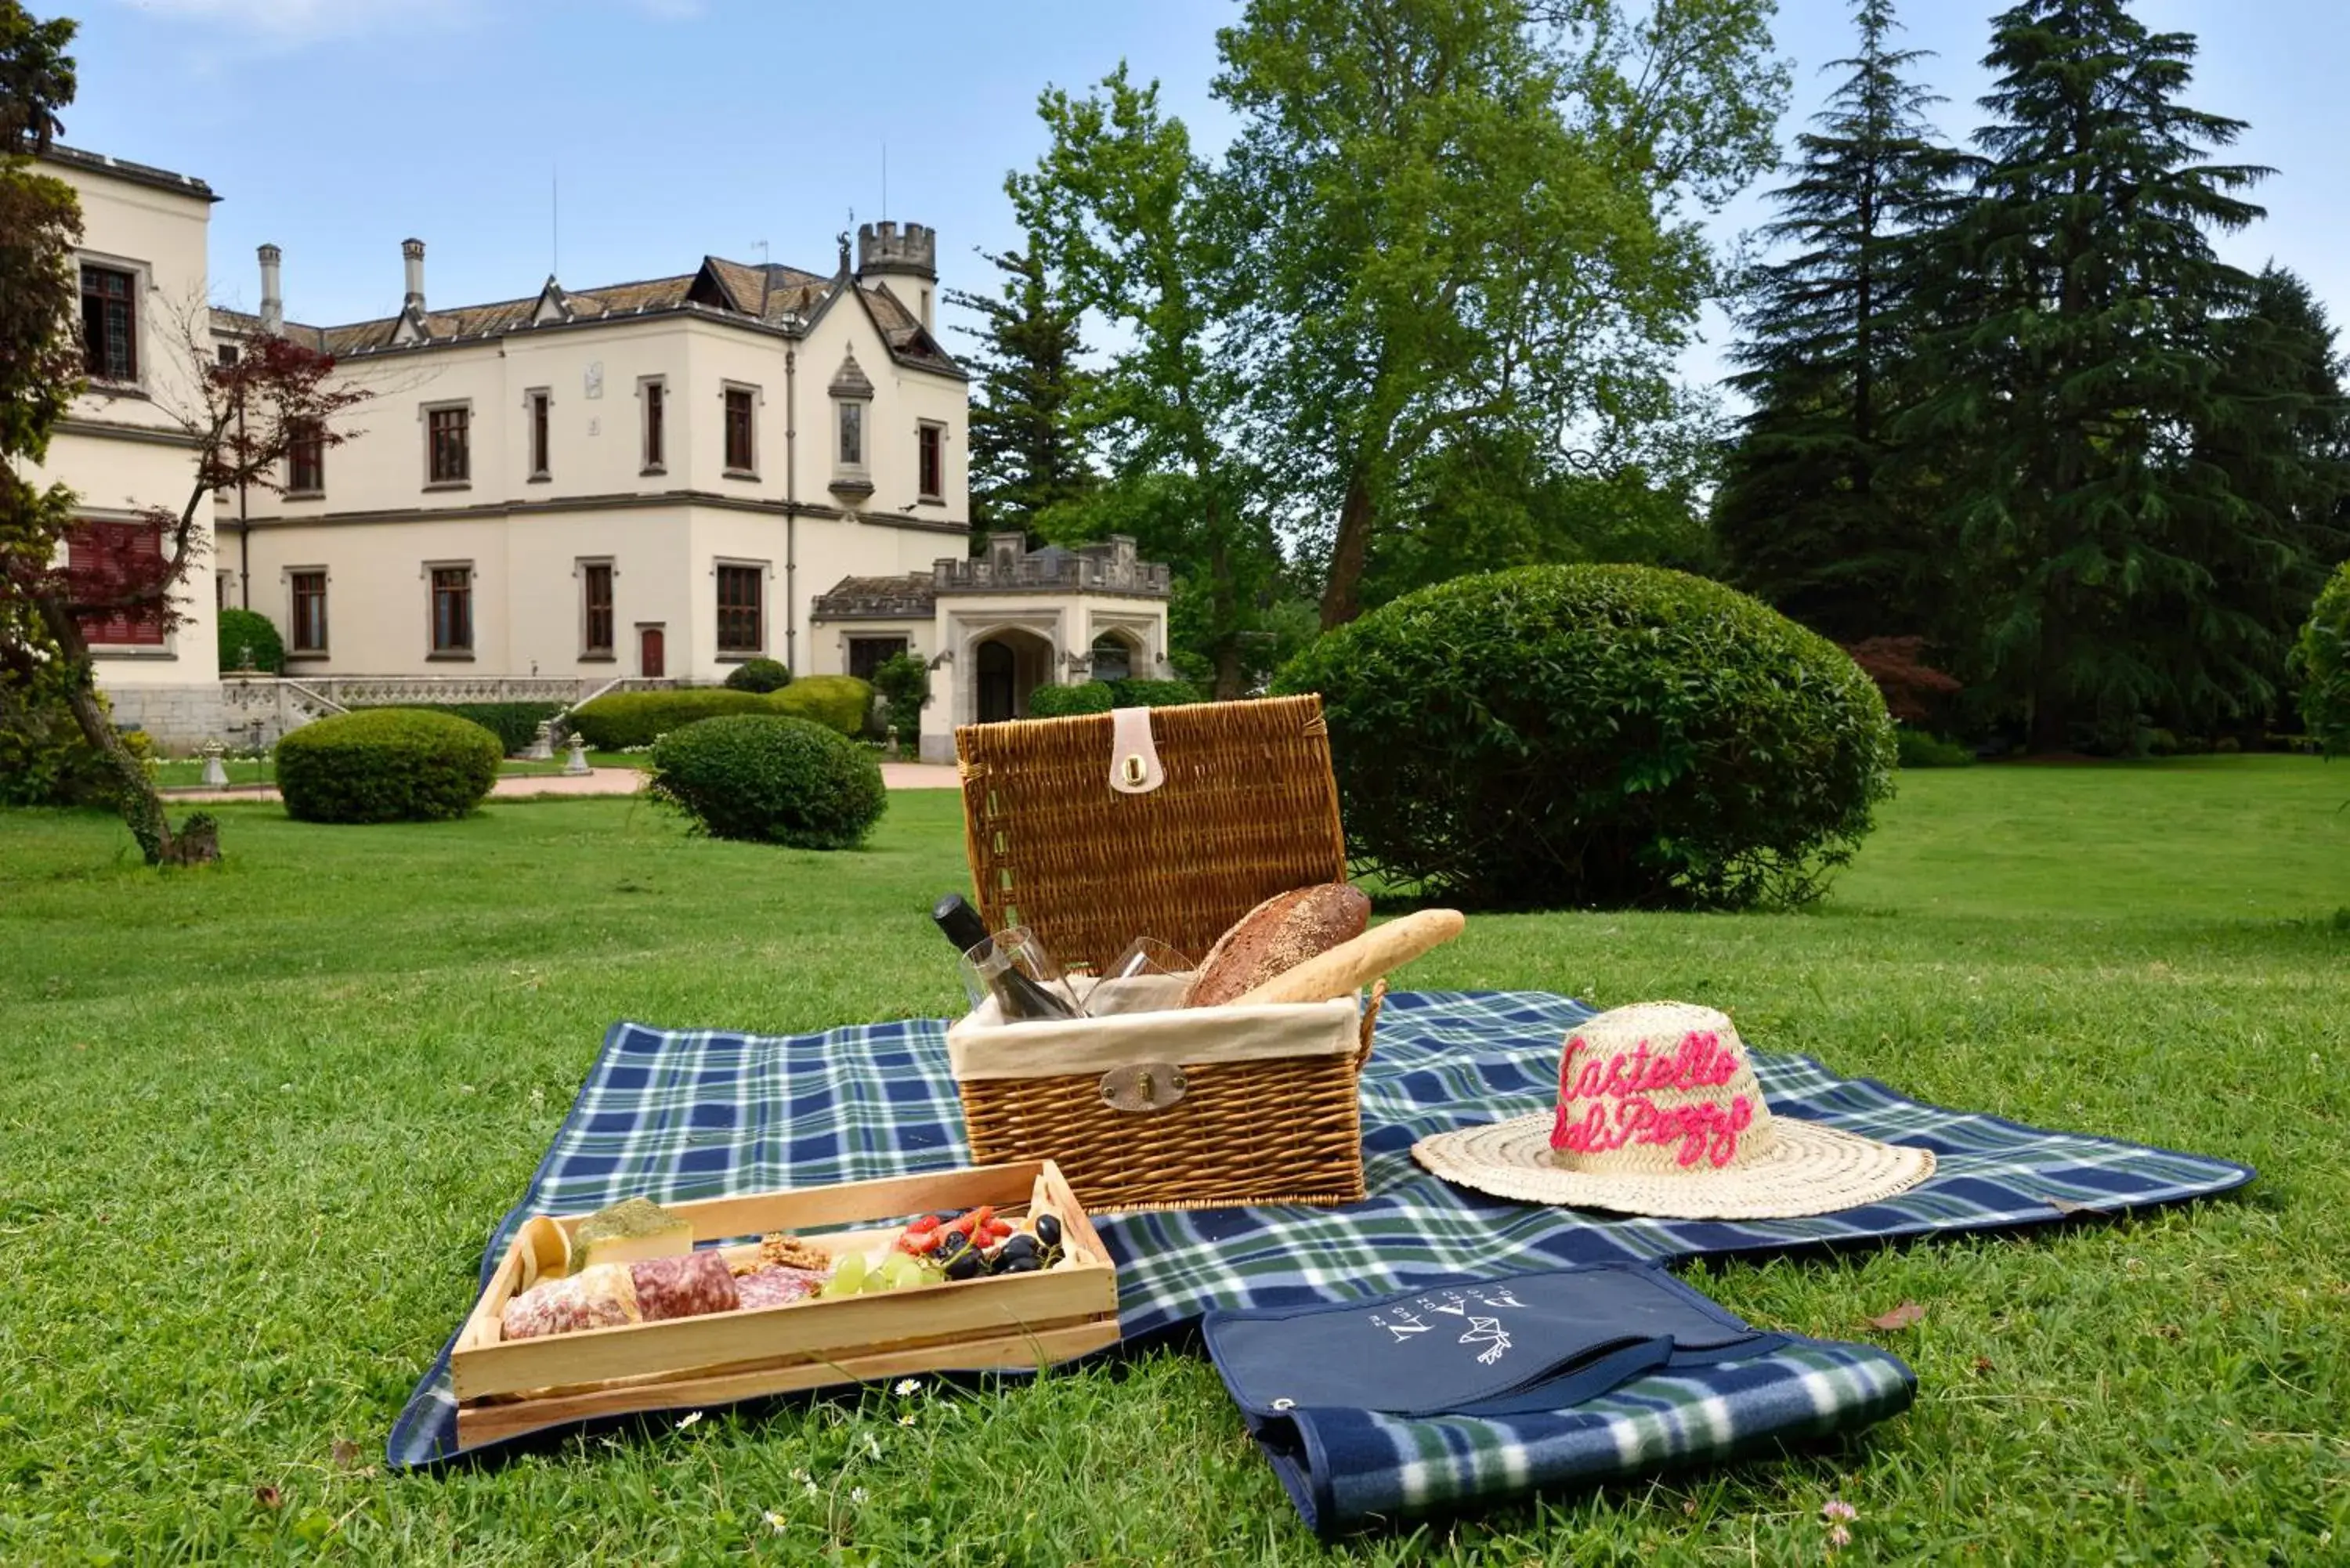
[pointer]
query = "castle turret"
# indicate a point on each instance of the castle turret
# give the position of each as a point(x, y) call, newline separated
point(902, 260)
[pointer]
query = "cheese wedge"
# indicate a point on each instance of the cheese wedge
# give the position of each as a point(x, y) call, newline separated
point(629, 1233)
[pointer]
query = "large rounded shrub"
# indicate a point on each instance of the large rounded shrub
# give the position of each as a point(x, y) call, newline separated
point(2321, 659)
point(386, 764)
point(769, 778)
point(1554, 737)
point(759, 675)
point(243, 632)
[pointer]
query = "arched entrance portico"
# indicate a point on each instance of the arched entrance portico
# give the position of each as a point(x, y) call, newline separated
point(1006, 666)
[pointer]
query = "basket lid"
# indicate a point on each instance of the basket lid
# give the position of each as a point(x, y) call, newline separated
point(1249, 808)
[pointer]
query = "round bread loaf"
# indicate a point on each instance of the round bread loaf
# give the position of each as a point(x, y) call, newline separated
point(1278, 935)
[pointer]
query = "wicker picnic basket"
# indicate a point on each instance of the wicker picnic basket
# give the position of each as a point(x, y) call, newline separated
point(1247, 808)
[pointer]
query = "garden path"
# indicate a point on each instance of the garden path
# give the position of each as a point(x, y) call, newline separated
point(600, 781)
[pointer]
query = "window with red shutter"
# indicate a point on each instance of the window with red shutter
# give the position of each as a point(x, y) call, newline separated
point(108, 563)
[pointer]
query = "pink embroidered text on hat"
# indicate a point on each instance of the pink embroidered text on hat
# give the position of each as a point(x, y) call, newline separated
point(1658, 1113)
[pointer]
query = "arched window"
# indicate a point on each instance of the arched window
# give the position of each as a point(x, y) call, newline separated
point(1113, 657)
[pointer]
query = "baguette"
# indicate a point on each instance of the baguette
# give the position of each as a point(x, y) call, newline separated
point(1351, 965)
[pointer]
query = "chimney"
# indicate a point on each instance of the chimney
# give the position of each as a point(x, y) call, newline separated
point(273, 298)
point(412, 252)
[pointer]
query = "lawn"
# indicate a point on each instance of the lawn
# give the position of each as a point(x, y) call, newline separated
point(259, 1119)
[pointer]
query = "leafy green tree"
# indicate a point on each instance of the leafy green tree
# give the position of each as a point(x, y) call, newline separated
point(2078, 300)
point(1470, 217)
point(37, 79)
point(1026, 452)
point(1813, 513)
point(2322, 660)
point(1128, 217)
point(1509, 497)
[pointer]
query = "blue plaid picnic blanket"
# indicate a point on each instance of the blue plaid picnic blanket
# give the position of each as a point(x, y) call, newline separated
point(679, 1114)
point(1377, 1412)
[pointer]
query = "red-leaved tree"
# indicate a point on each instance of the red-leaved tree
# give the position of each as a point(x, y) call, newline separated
point(1914, 690)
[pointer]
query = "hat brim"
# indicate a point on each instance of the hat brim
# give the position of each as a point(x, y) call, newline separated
point(1808, 1168)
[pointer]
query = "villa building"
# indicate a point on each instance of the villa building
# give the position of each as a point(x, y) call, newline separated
point(649, 481)
point(124, 447)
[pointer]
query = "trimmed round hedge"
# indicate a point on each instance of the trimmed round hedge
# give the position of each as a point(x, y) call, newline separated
point(770, 779)
point(1101, 696)
point(759, 675)
point(1558, 737)
point(1060, 701)
point(625, 718)
point(839, 702)
point(386, 764)
point(244, 631)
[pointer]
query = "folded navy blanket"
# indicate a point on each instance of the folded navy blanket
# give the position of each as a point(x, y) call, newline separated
point(680, 1115)
point(1475, 1393)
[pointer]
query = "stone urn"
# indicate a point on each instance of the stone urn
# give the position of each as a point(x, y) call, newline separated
point(575, 765)
point(542, 745)
point(215, 775)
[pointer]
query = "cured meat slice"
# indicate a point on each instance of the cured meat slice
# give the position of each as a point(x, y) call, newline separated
point(600, 1297)
point(776, 1286)
point(688, 1286)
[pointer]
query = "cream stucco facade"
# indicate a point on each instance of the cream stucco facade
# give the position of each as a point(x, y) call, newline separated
point(123, 448)
point(672, 435)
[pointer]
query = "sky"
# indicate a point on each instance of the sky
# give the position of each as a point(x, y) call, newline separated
point(609, 140)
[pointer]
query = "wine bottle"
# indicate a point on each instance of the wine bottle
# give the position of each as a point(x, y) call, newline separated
point(1019, 996)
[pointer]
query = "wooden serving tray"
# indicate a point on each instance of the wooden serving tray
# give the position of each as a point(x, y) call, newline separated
point(504, 1389)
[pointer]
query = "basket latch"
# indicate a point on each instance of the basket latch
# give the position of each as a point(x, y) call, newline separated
point(1133, 760)
point(1141, 1087)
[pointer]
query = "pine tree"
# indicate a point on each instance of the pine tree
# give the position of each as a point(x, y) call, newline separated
point(1025, 451)
point(1812, 514)
point(2284, 450)
point(2076, 357)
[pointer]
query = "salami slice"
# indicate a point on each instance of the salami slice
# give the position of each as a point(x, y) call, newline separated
point(600, 1297)
point(776, 1286)
point(688, 1286)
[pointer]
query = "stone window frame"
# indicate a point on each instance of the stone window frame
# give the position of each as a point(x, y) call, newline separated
point(295, 491)
point(424, 412)
point(610, 652)
point(651, 462)
point(767, 574)
point(922, 429)
point(726, 393)
point(538, 417)
point(142, 289)
point(432, 651)
point(325, 574)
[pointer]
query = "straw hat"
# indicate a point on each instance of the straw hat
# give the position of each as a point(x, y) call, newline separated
point(1658, 1113)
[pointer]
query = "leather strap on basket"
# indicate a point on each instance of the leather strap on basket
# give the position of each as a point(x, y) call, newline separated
point(1133, 760)
point(1370, 1020)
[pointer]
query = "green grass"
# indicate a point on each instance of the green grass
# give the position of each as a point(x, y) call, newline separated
point(258, 1120)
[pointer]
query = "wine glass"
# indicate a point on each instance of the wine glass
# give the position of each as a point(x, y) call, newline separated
point(1150, 976)
point(1014, 970)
